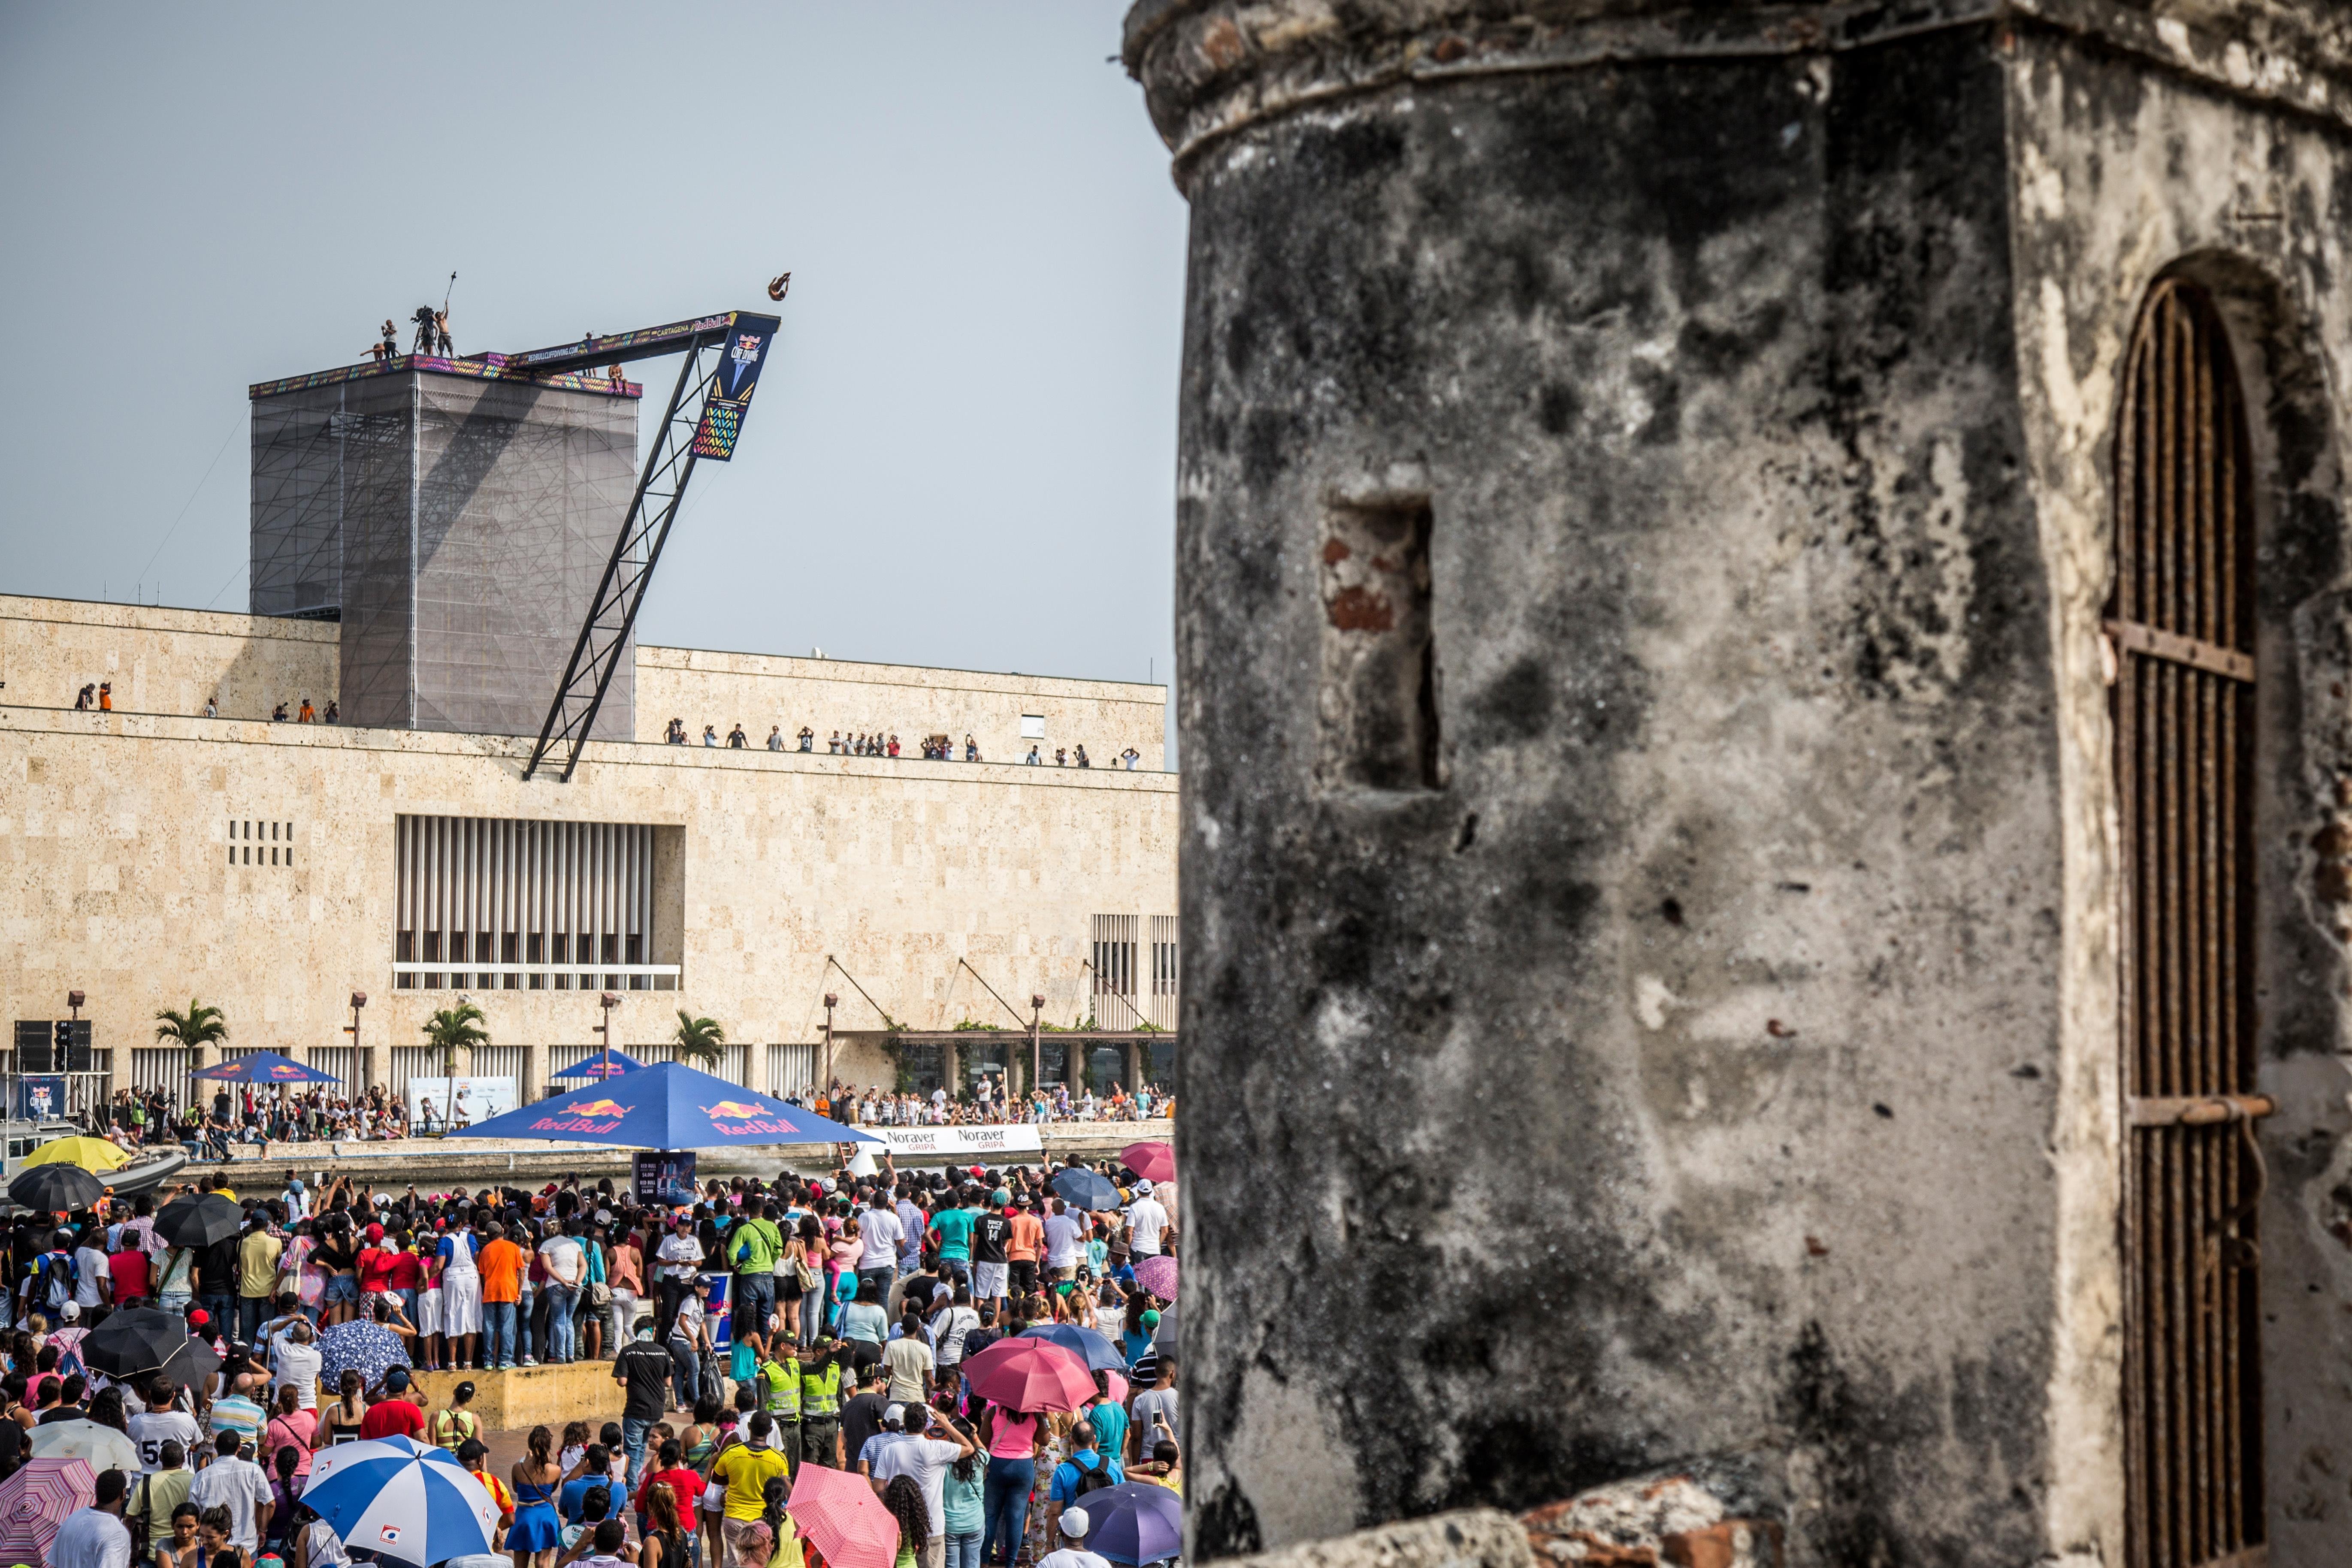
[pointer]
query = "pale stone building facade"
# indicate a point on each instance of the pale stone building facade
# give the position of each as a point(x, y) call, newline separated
point(152, 854)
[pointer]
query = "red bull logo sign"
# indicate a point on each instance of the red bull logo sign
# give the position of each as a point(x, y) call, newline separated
point(582, 1116)
point(745, 1117)
point(285, 1069)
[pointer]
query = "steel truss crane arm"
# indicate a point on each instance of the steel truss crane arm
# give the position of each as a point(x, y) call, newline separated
point(723, 354)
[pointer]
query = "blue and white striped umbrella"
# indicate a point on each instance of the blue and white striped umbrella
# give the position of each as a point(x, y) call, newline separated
point(400, 1500)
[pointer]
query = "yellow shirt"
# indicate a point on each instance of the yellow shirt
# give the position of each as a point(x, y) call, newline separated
point(257, 1258)
point(745, 1471)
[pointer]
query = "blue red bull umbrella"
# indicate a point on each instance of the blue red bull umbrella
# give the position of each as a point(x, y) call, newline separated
point(265, 1066)
point(666, 1106)
point(603, 1063)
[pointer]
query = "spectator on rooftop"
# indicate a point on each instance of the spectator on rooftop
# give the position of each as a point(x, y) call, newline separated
point(971, 749)
point(775, 737)
point(1130, 757)
point(807, 739)
point(710, 735)
point(308, 715)
point(736, 739)
point(1081, 757)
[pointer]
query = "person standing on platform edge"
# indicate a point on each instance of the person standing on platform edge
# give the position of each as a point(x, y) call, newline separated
point(643, 1368)
point(501, 1265)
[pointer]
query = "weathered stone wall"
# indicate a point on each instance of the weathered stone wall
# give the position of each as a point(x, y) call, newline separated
point(703, 687)
point(1718, 1021)
point(169, 661)
point(163, 661)
point(112, 829)
point(2125, 172)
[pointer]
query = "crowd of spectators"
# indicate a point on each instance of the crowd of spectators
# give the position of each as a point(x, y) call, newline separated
point(247, 1114)
point(855, 1303)
point(990, 1103)
point(934, 748)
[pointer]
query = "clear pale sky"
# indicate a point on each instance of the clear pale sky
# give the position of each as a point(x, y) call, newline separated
point(961, 454)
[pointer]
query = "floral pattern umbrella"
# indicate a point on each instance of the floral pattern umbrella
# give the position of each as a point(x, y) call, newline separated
point(36, 1501)
point(1157, 1274)
point(369, 1349)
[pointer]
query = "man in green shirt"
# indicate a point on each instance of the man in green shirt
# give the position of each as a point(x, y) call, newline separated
point(952, 1229)
point(753, 1246)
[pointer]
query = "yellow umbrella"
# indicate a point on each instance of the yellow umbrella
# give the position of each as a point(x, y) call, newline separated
point(90, 1153)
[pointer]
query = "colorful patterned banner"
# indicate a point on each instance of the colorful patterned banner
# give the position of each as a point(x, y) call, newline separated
point(740, 358)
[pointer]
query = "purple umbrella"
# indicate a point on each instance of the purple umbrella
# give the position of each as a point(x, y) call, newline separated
point(1157, 1274)
point(1134, 1522)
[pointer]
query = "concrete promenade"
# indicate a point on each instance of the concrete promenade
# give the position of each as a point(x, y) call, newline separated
point(429, 1160)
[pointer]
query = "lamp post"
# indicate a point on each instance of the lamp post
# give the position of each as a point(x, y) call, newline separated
point(608, 1001)
point(1036, 1058)
point(359, 1063)
point(832, 1000)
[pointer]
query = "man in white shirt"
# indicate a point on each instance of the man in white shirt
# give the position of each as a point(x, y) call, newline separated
point(95, 1537)
point(1147, 1222)
point(161, 1422)
point(679, 1254)
point(1062, 1232)
point(294, 1359)
point(238, 1485)
point(880, 1231)
point(1073, 1554)
point(92, 1282)
point(929, 1447)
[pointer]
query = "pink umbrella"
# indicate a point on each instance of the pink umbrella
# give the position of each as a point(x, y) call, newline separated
point(838, 1513)
point(1030, 1375)
point(1152, 1162)
point(1116, 1388)
point(35, 1502)
point(1157, 1274)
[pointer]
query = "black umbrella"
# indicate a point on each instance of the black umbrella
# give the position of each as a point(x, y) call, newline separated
point(1086, 1190)
point(199, 1221)
point(189, 1365)
point(56, 1187)
point(134, 1340)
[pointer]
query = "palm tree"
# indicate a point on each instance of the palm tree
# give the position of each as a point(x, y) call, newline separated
point(454, 1026)
point(197, 1027)
point(700, 1038)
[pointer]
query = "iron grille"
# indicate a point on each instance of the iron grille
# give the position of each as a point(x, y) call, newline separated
point(2180, 627)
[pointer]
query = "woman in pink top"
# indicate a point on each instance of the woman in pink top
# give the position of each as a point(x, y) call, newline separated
point(290, 1427)
point(625, 1273)
point(1015, 1439)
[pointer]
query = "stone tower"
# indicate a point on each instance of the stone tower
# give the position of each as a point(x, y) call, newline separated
point(1768, 851)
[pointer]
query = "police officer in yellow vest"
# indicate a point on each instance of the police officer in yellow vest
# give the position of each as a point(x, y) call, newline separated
point(821, 1404)
point(779, 1386)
